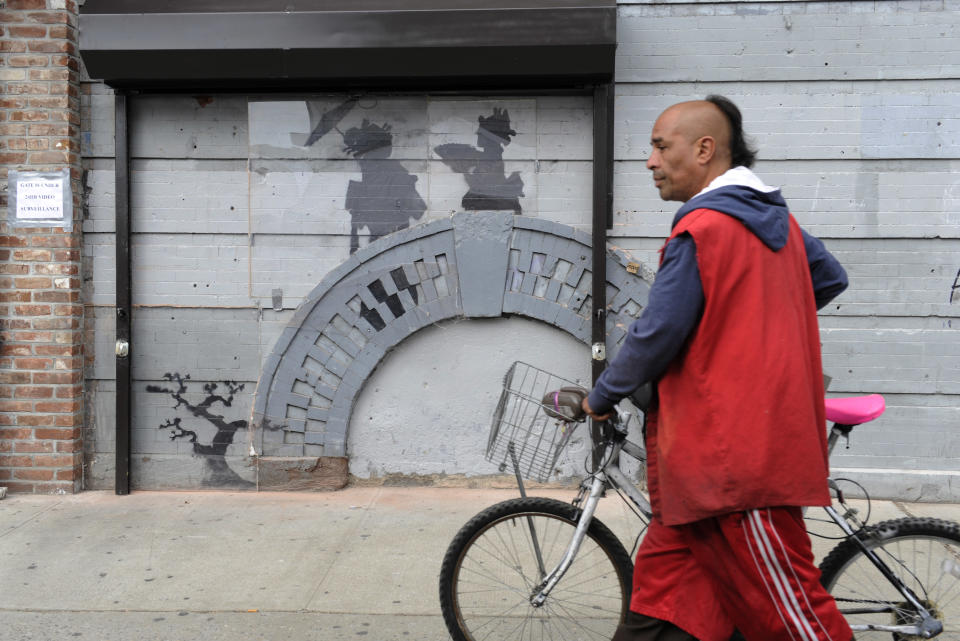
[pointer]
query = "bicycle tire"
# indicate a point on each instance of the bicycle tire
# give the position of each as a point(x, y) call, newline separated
point(489, 573)
point(923, 552)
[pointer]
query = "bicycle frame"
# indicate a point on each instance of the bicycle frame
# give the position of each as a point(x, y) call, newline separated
point(613, 442)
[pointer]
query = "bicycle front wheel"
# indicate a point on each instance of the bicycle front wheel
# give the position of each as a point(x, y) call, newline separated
point(924, 553)
point(491, 570)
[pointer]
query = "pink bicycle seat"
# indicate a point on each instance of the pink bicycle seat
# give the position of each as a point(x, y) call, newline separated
point(855, 410)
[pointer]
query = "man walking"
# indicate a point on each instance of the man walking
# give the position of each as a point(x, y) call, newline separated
point(736, 435)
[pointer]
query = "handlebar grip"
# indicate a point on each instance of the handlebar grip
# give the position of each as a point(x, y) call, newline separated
point(565, 403)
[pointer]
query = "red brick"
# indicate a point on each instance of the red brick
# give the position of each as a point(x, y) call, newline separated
point(16, 350)
point(42, 420)
point(56, 378)
point(5, 475)
point(65, 61)
point(32, 254)
point(8, 102)
point(60, 240)
point(33, 474)
point(56, 323)
point(49, 157)
point(49, 130)
point(28, 61)
point(15, 378)
point(28, 31)
point(32, 310)
point(22, 88)
point(12, 460)
point(68, 420)
point(13, 130)
point(34, 283)
point(14, 241)
point(33, 363)
point(12, 157)
point(15, 434)
point(7, 17)
point(16, 406)
point(68, 474)
point(59, 406)
point(64, 364)
point(16, 46)
point(21, 487)
point(28, 116)
point(27, 5)
point(58, 435)
point(70, 392)
point(56, 297)
point(33, 391)
point(75, 445)
point(6, 446)
point(69, 310)
point(48, 17)
point(53, 460)
point(12, 268)
point(59, 73)
point(33, 447)
point(4, 254)
point(52, 46)
point(57, 350)
point(49, 102)
point(14, 297)
point(54, 269)
point(60, 31)
point(66, 255)
point(33, 337)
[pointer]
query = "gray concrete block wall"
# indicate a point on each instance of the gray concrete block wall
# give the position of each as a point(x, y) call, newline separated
point(853, 107)
point(852, 104)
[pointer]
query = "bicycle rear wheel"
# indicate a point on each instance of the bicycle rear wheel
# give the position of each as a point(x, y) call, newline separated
point(490, 571)
point(924, 553)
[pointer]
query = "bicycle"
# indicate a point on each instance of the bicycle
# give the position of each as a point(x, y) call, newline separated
point(539, 568)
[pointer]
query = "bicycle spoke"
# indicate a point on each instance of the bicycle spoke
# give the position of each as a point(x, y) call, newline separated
point(497, 573)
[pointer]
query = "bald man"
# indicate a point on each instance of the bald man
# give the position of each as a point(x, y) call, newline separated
point(736, 434)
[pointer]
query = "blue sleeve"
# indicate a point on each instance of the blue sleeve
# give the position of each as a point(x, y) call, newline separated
point(653, 340)
point(828, 275)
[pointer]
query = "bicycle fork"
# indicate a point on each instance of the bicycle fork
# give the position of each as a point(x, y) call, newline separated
point(550, 580)
point(928, 627)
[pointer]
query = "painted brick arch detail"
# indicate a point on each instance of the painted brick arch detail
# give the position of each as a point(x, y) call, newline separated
point(468, 266)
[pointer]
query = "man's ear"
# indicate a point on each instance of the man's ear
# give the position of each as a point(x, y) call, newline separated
point(706, 148)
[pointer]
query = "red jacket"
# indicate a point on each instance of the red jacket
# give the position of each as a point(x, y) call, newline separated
point(740, 422)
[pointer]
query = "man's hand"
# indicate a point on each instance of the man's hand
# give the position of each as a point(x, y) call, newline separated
point(586, 408)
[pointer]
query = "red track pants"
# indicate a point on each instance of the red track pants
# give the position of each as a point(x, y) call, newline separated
point(751, 570)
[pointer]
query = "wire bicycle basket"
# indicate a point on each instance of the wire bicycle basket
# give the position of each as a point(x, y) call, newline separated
point(522, 433)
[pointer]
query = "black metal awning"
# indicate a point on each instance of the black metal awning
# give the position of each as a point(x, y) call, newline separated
point(255, 44)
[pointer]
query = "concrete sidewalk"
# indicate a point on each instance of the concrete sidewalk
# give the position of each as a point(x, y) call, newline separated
point(361, 562)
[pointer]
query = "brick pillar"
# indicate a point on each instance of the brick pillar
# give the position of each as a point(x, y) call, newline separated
point(41, 359)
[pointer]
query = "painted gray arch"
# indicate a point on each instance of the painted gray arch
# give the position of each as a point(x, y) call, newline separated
point(471, 265)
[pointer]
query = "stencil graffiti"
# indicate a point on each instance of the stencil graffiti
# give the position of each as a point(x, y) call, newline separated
point(385, 199)
point(490, 189)
point(218, 471)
